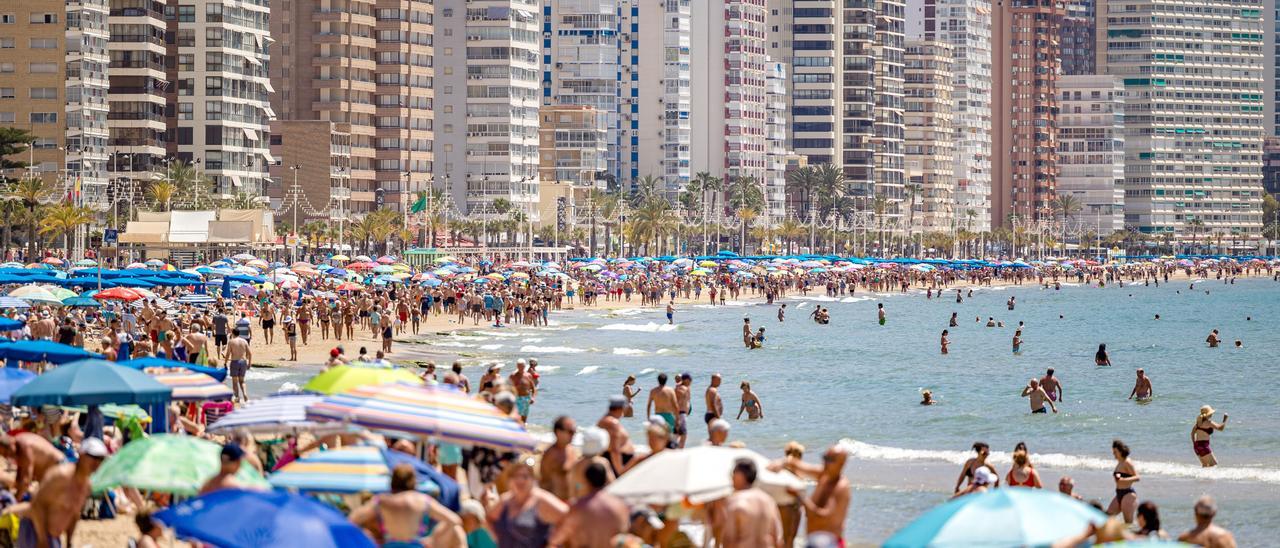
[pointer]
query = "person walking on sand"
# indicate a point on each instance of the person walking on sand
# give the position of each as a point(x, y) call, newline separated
point(1204, 427)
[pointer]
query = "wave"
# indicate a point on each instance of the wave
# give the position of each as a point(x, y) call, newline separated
point(626, 312)
point(820, 298)
point(547, 368)
point(551, 349)
point(646, 371)
point(867, 451)
point(588, 370)
point(499, 333)
point(629, 352)
point(663, 350)
point(531, 340)
point(556, 327)
point(643, 328)
point(260, 375)
point(491, 346)
point(456, 344)
point(856, 299)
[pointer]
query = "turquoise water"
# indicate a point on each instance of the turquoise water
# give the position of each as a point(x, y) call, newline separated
point(856, 382)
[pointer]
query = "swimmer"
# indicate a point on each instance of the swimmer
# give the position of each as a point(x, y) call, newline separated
point(1000, 323)
point(1017, 341)
point(1052, 386)
point(991, 322)
point(1059, 316)
point(1038, 397)
point(671, 311)
point(953, 319)
point(1101, 357)
point(1213, 339)
point(1142, 390)
point(880, 312)
point(1010, 303)
point(1239, 343)
point(1157, 316)
point(782, 312)
point(927, 396)
point(959, 299)
point(945, 342)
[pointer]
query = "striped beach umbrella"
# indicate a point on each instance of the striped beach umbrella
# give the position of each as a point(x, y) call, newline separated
point(189, 385)
point(435, 411)
point(348, 470)
point(13, 302)
point(196, 298)
point(343, 378)
point(271, 415)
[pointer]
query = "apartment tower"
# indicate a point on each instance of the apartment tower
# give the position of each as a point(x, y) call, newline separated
point(140, 91)
point(1193, 114)
point(655, 131)
point(929, 148)
point(1091, 150)
point(580, 49)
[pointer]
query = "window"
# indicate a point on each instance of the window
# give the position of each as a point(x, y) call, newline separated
point(213, 110)
point(6, 43)
point(185, 135)
point(8, 19)
point(186, 61)
point(213, 38)
point(44, 18)
point(44, 68)
point(213, 13)
point(44, 43)
point(6, 67)
point(6, 93)
point(44, 117)
point(213, 85)
point(6, 117)
point(186, 111)
point(45, 143)
point(44, 93)
point(186, 14)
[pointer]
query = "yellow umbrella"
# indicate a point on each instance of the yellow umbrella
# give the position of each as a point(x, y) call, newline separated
point(340, 258)
point(698, 272)
point(495, 277)
point(520, 275)
point(707, 264)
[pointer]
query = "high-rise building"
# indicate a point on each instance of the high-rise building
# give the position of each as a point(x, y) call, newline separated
point(1026, 63)
point(222, 106)
point(366, 66)
point(1076, 38)
point(1091, 150)
point(53, 83)
point(889, 52)
point(573, 145)
point(140, 90)
point(966, 26)
point(1193, 114)
point(929, 147)
point(488, 82)
point(728, 66)
point(803, 33)
point(655, 132)
point(775, 135)
point(580, 49)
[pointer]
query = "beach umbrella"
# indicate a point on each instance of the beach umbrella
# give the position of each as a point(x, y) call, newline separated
point(90, 382)
point(86, 262)
point(10, 324)
point(117, 294)
point(135, 266)
point(189, 385)
point(247, 290)
point(154, 262)
point(43, 351)
point(1000, 517)
point(116, 412)
point(362, 469)
point(52, 260)
point(168, 463)
point(386, 259)
point(276, 414)
point(35, 294)
point(235, 517)
point(698, 475)
point(243, 257)
point(345, 377)
point(435, 411)
point(383, 269)
point(81, 302)
point(362, 258)
point(61, 293)
point(140, 364)
point(11, 379)
point(350, 286)
point(13, 302)
point(339, 257)
point(196, 298)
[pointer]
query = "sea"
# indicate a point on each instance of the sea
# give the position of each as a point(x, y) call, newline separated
point(857, 384)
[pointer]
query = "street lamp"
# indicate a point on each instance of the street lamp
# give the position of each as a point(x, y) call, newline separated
point(294, 190)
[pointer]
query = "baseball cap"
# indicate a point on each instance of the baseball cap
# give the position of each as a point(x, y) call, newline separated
point(649, 516)
point(93, 447)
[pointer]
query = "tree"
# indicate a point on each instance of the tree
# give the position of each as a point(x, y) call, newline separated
point(31, 193)
point(746, 200)
point(62, 220)
point(191, 188)
point(13, 141)
point(162, 192)
point(501, 206)
point(241, 200)
point(1066, 206)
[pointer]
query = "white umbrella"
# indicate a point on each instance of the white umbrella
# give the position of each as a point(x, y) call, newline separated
point(35, 294)
point(700, 474)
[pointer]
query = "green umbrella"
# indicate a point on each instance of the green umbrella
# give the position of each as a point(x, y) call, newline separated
point(342, 378)
point(168, 463)
point(116, 412)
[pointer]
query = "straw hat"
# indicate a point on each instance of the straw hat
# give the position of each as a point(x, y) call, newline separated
point(1206, 411)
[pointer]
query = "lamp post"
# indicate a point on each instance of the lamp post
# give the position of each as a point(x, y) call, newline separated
point(294, 190)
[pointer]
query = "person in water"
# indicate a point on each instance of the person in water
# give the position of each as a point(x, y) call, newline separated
point(1038, 397)
point(1017, 341)
point(927, 396)
point(750, 403)
point(976, 463)
point(1213, 339)
point(946, 343)
point(1200, 433)
point(1101, 357)
point(880, 312)
point(1142, 387)
point(1051, 385)
point(1125, 475)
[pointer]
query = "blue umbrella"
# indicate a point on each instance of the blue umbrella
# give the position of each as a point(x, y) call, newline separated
point(143, 363)
point(361, 469)
point(234, 517)
point(134, 282)
point(13, 302)
point(10, 324)
point(91, 382)
point(44, 351)
point(11, 379)
point(84, 302)
point(1000, 517)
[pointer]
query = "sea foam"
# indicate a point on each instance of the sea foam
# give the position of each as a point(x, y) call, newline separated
point(588, 370)
point(551, 349)
point(629, 352)
point(642, 328)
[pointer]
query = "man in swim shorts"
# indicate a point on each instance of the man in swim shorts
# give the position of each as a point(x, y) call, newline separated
point(525, 389)
point(1038, 397)
point(662, 402)
point(684, 393)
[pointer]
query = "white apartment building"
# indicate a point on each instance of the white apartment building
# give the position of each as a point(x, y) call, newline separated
point(580, 48)
point(775, 135)
point(1193, 115)
point(929, 146)
point(223, 109)
point(87, 63)
point(1091, 150)
point(803, 34)
point(966, 26)
point(655, 130)
point(488, 69)
point(729, 111)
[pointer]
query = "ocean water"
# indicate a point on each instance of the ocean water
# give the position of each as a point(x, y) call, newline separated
point(857, 383)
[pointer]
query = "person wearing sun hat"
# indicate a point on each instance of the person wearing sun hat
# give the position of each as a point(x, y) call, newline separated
point(1200, 433)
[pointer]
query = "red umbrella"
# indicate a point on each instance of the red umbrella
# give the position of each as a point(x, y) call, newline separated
point(350, 286)
point(117, 294)
point(359, 265)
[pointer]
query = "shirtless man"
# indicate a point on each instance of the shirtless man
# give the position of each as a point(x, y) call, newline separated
point(559, 458)
point(662, 400)
point(715, 406)
point(828, 505)
point(195, 342)
point(782, 312)
point(684, 396)
point(621, 451)
point(399, 515)
point(596, 517)
point(239, 356)
point(55, 508)
point(525, 388)
point(1205, 533)
point(1038, 397)
point(1142, 387)
point(232, 457)
point(1051, 386)
point(32, 455)
point(1213, 339)
point(750, 517)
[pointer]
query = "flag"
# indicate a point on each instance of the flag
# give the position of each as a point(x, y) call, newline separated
point(420, 205)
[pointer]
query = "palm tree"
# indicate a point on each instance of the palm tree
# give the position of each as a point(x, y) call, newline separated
point(162, 192)
point(241, 200)
point(501, 206)
point(191, 187)
point(1067, 206)
point(746, 199)
point(805, 181)
point(608, 206)
point(703, 184)
point(62, 220)
point(31, 193)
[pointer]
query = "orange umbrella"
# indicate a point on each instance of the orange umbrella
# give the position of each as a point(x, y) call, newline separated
point(117, 294)
point(350, 286)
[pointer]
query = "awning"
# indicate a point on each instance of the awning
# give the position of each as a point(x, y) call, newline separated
point(251, 134)
point(252, 60)
point(270, 113)
point(235, 181)
point(257, 39)
point(268, 157)
point(269, 90)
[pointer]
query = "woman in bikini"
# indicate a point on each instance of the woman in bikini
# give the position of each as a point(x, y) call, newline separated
point(750, 403)
point(1101, 357)
point(629, 391)
point(980, 461)
point(1200, 433)
point(1022, 474)
point(1125, 475)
